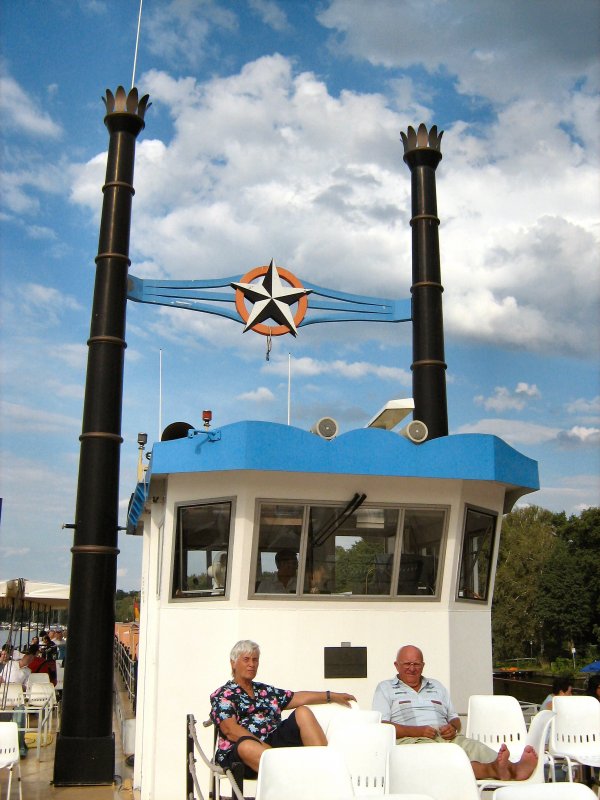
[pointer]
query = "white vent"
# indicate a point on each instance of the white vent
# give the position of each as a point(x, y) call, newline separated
point(326, 428)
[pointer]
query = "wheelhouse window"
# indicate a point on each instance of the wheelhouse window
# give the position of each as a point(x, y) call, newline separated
point(306, 549)
point(476, 556)
point(421, 542)
point(202, 542)
point(280, 528)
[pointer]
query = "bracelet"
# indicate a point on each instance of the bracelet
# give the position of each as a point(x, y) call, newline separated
point(328, 696)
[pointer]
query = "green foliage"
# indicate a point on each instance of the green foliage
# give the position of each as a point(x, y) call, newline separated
point(547, 590)
point(354, 567)
point(124, 605)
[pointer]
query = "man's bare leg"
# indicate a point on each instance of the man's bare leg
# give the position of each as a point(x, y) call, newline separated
point(311, 732)
point(504, 770)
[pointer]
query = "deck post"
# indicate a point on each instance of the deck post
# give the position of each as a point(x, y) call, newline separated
point(85, 752)
point(422, 155)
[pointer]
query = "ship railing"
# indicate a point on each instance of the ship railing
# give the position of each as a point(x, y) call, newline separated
point(127, 666)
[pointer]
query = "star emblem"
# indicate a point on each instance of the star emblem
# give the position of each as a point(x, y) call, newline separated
point(272, 300)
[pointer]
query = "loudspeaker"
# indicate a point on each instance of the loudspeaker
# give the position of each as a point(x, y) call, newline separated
point(326, 428)
point(416, 431)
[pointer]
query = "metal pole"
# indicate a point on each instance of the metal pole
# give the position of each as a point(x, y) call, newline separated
point(422, 155)
point(85, 745)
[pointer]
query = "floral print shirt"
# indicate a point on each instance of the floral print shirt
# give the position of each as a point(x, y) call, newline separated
point(260, 714)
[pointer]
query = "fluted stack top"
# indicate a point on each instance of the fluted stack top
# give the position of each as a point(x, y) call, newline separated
point(125, 110)
point(422, 146)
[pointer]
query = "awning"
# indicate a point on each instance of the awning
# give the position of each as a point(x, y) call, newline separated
point(54, 595)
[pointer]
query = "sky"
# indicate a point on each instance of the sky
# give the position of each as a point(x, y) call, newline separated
point(274, 132)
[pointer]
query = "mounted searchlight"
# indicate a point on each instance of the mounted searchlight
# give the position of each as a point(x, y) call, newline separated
point(392, 414)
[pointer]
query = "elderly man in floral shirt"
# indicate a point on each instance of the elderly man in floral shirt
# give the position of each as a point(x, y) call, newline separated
point(248, 714)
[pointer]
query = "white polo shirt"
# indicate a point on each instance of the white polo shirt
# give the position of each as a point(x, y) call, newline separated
point(398, 703)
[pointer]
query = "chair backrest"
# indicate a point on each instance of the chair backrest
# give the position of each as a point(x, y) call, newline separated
point(545, 791)
point(9, 744)
point(298, 773)
point(38, 677)
point(496, 720)
point(357, 717)
point(576, 724)
point(365, 748)
point(537, 736)
point(40, 693)
point(325, 712)
point(11, 695)
point(442, 771)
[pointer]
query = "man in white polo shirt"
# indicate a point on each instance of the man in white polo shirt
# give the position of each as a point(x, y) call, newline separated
point(421, 711)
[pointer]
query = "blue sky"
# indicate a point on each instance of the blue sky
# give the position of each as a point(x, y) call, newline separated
point(274, 133)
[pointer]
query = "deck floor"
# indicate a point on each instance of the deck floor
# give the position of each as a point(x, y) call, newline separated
point(37, 778)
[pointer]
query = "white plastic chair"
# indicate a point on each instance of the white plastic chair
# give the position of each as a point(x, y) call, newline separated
point(38, 677)
point(495, 720)
point(326, 712)
point(9, 753)
point(11, 695)
point(365, 748)
point(545, 791)
point(575, 731)
point(299, 773)
point(41, 694)
point(536, 737)
point(442, 771)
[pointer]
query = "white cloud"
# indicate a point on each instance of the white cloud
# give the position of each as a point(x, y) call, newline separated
point(511, 39)
point(578, 435)
point(266, 163)
point(351, 370)
point(20, 417)
point(515, 432)
point(530, 390)
point(501, 400)
point(505, 400)
point(180, 30)
point(572, 494)
point(270, 13)
point(589, 409)
point(20, 112)
point(12, 552)
point(519, 432)
point(260, 395)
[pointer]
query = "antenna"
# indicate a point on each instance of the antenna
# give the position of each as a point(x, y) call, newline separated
point(159, 393)
point(289, 397)
point(137, 42)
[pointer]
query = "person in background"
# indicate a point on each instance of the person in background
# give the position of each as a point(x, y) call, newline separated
point(284, 581)
point(561, 687)
point(14, 665)
point(41, 663)
point(48, 648)
point(61, 646)
point(247, 714)
point(593, 687)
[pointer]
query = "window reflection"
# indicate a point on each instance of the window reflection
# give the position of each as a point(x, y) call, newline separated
point(476, 557)
point(280, 528)
point(421, 542)
point(201, 550)
point(345, 553)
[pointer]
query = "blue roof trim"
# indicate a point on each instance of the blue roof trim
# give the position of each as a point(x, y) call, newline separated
point(366, 451)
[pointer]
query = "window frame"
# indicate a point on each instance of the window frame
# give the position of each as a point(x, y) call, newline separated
point(496, 517)
point(206, 594)
point(306, 505)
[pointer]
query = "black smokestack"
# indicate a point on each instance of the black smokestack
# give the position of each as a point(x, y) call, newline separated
point(422, 154)
point(85, 752)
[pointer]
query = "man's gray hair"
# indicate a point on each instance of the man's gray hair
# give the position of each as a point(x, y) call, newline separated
point(243, 646)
